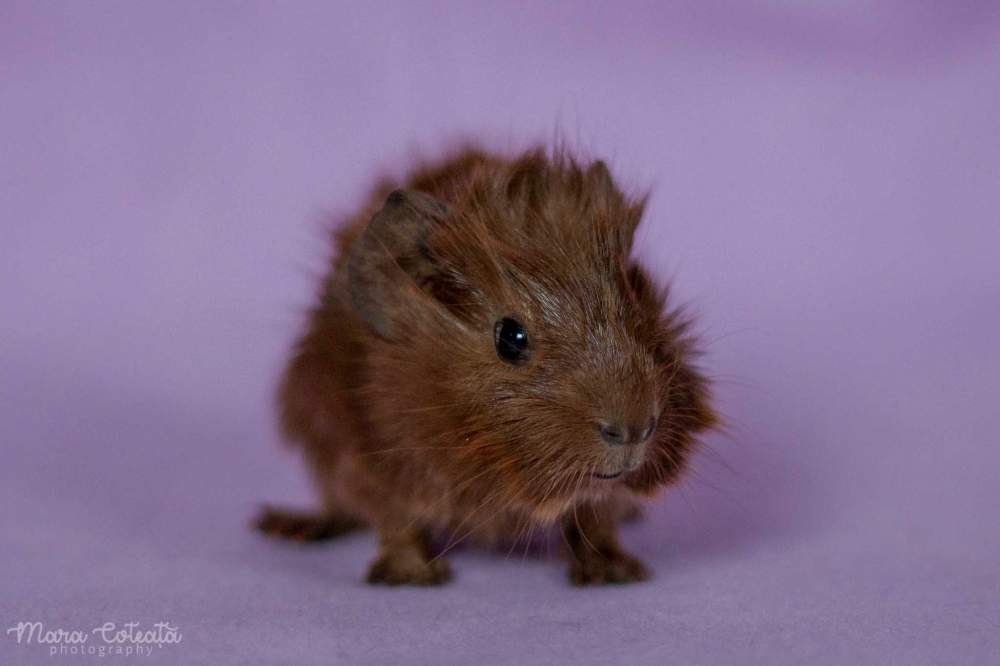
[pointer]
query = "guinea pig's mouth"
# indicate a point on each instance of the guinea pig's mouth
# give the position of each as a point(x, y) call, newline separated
point(630, 465)
point(612, 475)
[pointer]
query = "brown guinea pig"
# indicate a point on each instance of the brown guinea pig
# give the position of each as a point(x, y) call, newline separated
point(486, 359)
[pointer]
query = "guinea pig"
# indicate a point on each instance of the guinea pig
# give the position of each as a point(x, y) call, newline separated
point(487, 358)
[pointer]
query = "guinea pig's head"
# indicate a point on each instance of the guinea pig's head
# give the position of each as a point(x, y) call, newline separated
point(514, 333)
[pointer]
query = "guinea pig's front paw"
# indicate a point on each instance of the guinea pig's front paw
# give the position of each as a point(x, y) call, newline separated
point(408, 568)
point(607, 566)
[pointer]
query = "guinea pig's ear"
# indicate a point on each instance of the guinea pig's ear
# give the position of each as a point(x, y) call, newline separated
point(599, 177)
point(390, 259)
point(626, 215)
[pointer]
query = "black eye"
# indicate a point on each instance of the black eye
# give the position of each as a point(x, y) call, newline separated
point(511, 341)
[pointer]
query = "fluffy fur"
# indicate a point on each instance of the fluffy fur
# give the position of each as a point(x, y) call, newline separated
point(410, 422)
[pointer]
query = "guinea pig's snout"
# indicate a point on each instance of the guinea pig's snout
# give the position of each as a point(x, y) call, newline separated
point(618, 432)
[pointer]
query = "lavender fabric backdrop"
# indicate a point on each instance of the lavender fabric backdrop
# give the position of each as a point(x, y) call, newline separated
point(826, 196)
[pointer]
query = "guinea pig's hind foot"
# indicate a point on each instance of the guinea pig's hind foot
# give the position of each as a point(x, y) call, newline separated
point(303, 526)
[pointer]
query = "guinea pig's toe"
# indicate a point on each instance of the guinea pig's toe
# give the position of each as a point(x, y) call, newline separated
point(580, 573)
point(608, 567)
point(439, 571)
point(408, 569)
point(624, 568)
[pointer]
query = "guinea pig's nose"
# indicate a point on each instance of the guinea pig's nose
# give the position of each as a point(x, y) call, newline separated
point(616, 433)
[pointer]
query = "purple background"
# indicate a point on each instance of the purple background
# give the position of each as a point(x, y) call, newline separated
point(827, 197)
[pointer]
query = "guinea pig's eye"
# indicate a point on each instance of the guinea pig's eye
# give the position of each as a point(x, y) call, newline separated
point(511, 340)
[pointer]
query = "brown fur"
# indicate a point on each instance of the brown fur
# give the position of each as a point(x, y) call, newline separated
point(410, 422)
